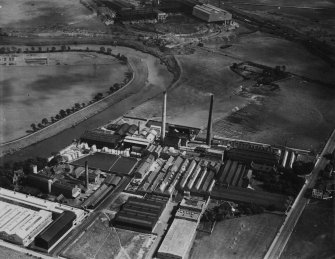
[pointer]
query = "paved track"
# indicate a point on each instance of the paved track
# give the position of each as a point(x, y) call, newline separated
point(283, 235)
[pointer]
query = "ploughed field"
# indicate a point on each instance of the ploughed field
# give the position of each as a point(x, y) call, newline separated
point(30, 93)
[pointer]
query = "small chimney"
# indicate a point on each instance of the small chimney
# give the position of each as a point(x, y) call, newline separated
point(163, 117)
point(210, 122)
point(49, 185)
point(86, 174)
point(139, 127)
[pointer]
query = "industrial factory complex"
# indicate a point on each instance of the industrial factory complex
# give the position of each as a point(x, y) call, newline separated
point(155, 10)
point(155, 164)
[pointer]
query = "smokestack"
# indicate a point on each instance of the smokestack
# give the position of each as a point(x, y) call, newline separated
point(163, 117)
point(209, 126)
point(86, 174)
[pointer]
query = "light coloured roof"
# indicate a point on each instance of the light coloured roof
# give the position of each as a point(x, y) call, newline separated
point(179, 238)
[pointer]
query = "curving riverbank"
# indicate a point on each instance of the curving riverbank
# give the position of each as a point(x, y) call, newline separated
point(148, 82)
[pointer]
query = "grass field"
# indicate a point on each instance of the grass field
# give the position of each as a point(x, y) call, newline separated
point(27, 15)
point(9, 253)
point(312, 236)
point(245, 237)
point(31, 93)
point(101, 241)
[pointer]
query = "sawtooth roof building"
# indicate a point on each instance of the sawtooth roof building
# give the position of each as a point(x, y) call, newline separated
point(20, 225)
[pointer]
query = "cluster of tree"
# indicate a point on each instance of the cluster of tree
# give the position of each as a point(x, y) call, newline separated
point(25, 165)
point(285, 182)
point(62, 114)
point(249, 209)
point(301, 168)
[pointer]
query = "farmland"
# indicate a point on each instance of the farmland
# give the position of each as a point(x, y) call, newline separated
point(245, 237)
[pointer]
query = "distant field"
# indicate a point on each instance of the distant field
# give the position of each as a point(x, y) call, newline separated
point(312, 236)
point(31, 93)
point(44, 14)
point(245, 237)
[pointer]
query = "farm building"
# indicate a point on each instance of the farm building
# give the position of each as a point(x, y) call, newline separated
point(49, 236)
point(178, 240)
point(20, 225)
point(210, 13)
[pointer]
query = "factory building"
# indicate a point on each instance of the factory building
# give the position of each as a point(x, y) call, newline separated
point(210, 13)
point(49, 236)
point(250, 153)
point(17, 197)
point(139, 214)
point(101, 138)
point(20, 225)
point(178, 240)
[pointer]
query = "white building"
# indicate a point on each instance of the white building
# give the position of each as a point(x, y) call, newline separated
point(178, 240)
point(211, 13)
point(21, 225)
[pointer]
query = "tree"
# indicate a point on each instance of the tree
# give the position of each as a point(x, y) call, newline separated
point(109, 51)
point(53, 49)
point(52, 119)
point(83, 105)
point(40, 49)
point(77, 106)
point(45, 121)
point(63, 47)
point(40, 125)
point(32, 49)
point(98, 96)
point(33, 126)
point(102, 49)
point(68, 48)
point(58, 117)
point(62, 113)
point(68, 111)
point(19, 50)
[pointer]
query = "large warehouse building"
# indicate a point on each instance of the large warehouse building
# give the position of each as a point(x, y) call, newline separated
point(211, 13)
point(178, 240)
point(20, 225)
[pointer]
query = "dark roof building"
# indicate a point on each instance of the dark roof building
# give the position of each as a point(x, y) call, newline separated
point(123, 166)
point(38, 181)
point(101, 138)
point(51, 234)
point(139, 214)
point(256, 154)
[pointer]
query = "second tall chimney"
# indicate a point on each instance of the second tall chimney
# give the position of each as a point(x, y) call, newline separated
point(86, 174)
point(210, 122)
point(163, 117)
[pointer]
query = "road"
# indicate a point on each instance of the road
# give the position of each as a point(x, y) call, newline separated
point(283, 235)
point(82, 227)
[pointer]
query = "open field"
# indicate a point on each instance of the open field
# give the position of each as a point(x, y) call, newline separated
point(299, 113)
point(151, 78)
point(30, 93)
point(9, 253)
point(23, 15)
point(245, 237)
point(101, 241)
point(312, 236)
